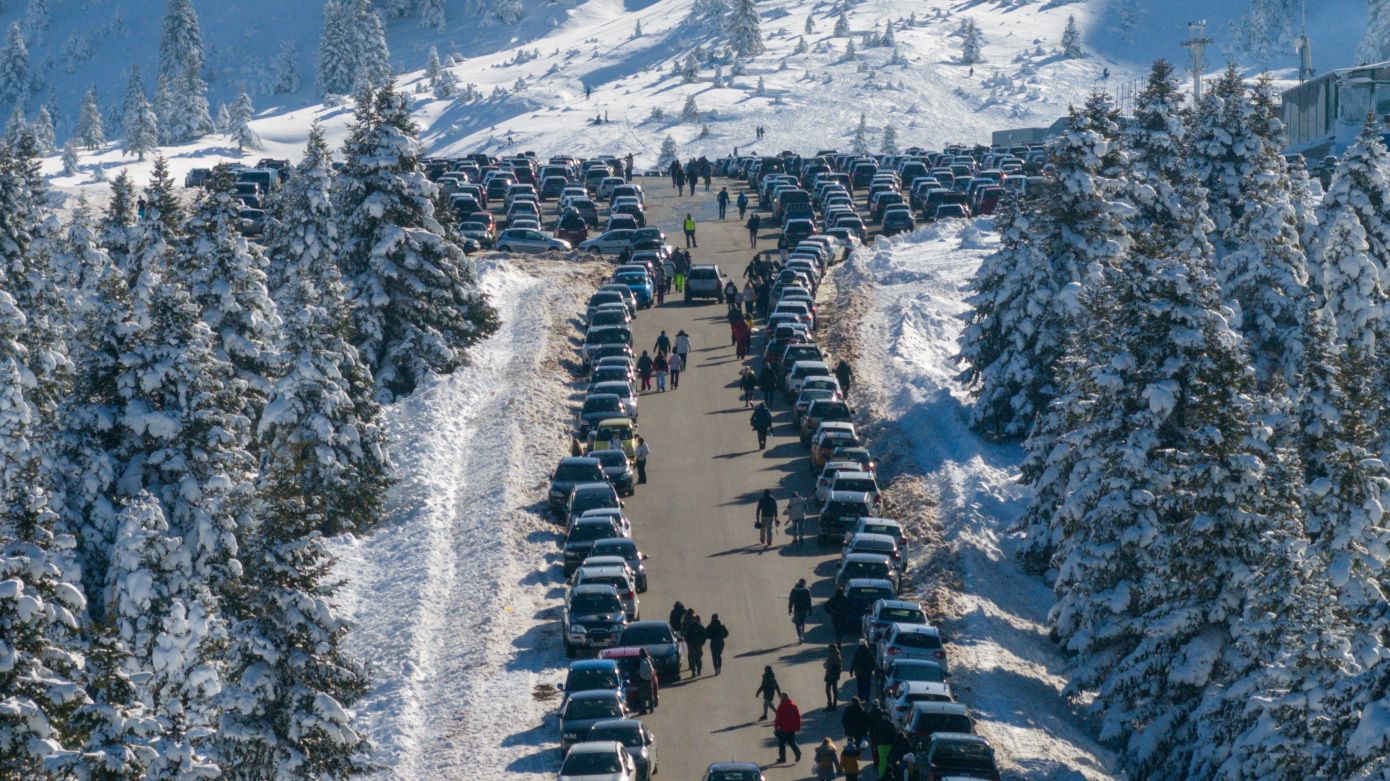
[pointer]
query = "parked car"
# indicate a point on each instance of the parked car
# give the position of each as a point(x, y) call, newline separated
point(904, 671)
point(635, 737)
point(591, 675)
point(887, 612)
point(623, 389)
point(733, 771)
point(911, 641)
point(600, 337)
point(640, 283)
point(626, 548)
point(593, 618)
point(619, 471)
point(572, 228)
point(611, 242)
point(590, 496)
point(585, 709)
point(617, 577)
point(581, 535)
point(571, 470)
point(661, 643)
point(525, 240)
point(958, 755)
point(855, 566)
point(930, 718)
point(598, 407)
point(839, 512)
point(864, 592)
point(899, 706)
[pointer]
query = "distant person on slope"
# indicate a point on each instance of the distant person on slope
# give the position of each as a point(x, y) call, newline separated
point(844, 375)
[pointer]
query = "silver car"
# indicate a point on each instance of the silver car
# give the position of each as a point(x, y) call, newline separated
point(634, 735)
point(528, 240)
point(623, 390)
point(585, 709)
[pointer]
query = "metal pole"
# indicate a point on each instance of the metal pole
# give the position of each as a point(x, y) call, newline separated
point(1197, 47)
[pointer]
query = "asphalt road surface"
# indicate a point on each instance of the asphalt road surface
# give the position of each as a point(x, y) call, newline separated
point(694, 518)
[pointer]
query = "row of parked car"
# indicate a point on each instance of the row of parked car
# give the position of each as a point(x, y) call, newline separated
point(910, 655)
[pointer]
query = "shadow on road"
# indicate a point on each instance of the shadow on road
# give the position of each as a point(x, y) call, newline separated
point(764, 651)
point(754, 548)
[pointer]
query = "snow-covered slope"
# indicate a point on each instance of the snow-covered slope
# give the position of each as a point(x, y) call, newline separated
point(532, 75)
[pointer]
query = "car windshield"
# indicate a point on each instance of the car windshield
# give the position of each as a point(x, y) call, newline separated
point(812, 394)
point(602, 404)
point(623, 548)
point(594, 604)
point(917, 640)
point(610, 373)
point(964, 753)
point(611, 317)
point(846, 508)
point(591, 764)
point(733, 775)
point(628, 736)
point(902, 615)
point(592, 500)
point(865, 569)
point(609, 336)
point(576, 472)
point(647, 635)
point(919, 672)
point(869, 593)
point(702, 273)
point(874, 545)
point(586, 680)
point(588, 532)
point(634, 278)
point(618, 582)
point(832, 412)
point(856, 484)
point(598, 708)
point(611, 457)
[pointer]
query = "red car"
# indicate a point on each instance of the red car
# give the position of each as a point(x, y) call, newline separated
point(572, 228)
point(626, 657)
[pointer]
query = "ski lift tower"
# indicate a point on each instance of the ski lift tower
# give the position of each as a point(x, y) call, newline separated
point(1197, 48)
point(1304, 50)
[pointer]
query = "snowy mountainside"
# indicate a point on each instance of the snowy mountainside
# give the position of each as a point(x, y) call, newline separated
point(530, 77)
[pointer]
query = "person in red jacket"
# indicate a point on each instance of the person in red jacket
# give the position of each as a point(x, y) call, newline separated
point(785, 726)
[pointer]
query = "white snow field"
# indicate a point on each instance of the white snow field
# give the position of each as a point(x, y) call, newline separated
point(809, 101)
point(446, 595)
point(913, 290)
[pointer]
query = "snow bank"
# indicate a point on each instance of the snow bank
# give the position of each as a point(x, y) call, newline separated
point(1003, 664)
point(448, 596)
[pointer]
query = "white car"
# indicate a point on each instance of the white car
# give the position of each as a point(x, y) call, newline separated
point(528, 240)
point(603, 760)
point(801, 370)
point(609, 242)
point(847, 480)
point(900, 707)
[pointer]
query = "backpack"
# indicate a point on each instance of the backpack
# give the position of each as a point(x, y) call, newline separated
point(825, 758)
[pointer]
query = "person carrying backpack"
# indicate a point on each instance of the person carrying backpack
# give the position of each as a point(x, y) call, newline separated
point(796, 518)
point(826, 760)
point(695, 638)
point(766, 517)
point(849, 760)
point(663, 343)
point(742, 204)
point(723, 200)
point(761, 421)
point(644, 370)
point(767, 380)
point(748, 383)
point(730, 296)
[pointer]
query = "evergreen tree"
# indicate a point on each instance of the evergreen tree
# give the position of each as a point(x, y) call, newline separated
point(668, 153)
point(1349, 277)
point(185, 114)
point(290, 682)
point(287, 69)
point(762, 88)
point(80, 265)
point(800, 46)
point(972, 42)
point(841, 23)
point(226, 277)
point(337, 67)
point(888, 38)
point(860, 143)
point(89, 129)
point(432, 15)
point(1071, 40)
point(1375, 45)
point(890, 140)
point(223, 121)
point(42, 130)
point(416, 302)
point(373, 58)
point(70, 158)
point(322, 407)
point(1224, 146)
point(120, 216)
point(1360, 188)
point(509, 11)
point(432, 66)
point(690, 70)
point(850, 51)
point(637, 30)
point(691, 110)
point(134, 93)
point(1170, 207)
point(810, 24)
point(744, 30)
point(15, 126)
point(14, 67)
point(141, 129)
point(241, 114)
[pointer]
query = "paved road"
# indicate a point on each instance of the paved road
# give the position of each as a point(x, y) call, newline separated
point(695, 520)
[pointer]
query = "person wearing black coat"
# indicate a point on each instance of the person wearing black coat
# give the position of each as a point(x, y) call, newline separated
point(644, 370)
point(901, 748)
point(753, 224)
point(767, 380)
point(855, 721)
point(769, 690)
point(748, 383)
point(882, 735)
point(862, 665)
point(695, 637)
point(761, 421)
point(717, 633)
point(844, 375)
point(837, 607)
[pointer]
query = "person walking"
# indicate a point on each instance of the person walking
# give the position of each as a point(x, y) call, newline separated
point(683, 349)
point(899, 757)
point(844, 375)
point(765, 517)
point(748, 383)
point(799, 608)
point(834, 664)
point(660, 366)
point(668, 272)
point(723, 200)
point(796, 518)
point(689, 227)
point(882, 734)
point(761, 421)
point(785, 725)
point(767, 381)
point(663, 343)
point(627, 169)
point(677, 616)
point(739, 328)
point(678, 177)
point(730, 294)
point(659, 284)
point(742, 205)
point(849, 760)
point(782, 248)
point(749, 297)
point(826, 760)
point(646, 682)
point(640, 455)
point(753, 225)
point(677, 365)
point(838, 607)
point(644, 370)
point(855, 721)
point(735, 316)
point(769, 690)
point(717, 633)
point(695, 638)
point(862, 665)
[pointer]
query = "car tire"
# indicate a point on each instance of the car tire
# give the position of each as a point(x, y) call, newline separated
point(504, 248)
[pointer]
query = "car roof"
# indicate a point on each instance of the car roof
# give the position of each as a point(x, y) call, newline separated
point(915, 629)
point(855, 475)
point(622, 542)
point(948, 708)
point(721, 766)
point(868, 583)
point(648, 624)
point(578, 460)
point(593, 588)
point(593, 694)
point(613, 383)
point(604, 396)
point(592, 485)
point(594, 664)
point(873, 537)
point(614, 422)
point(877, 558)
point(960, 737)
point(909, 663)
point(596, 746)
point(625, 723)
point(600, 570)
point(918, 687)
point(899, 603)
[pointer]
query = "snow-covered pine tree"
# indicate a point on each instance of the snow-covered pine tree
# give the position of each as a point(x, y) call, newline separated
point(241, 114)
point(668, 153)
point(79, 265)
point(134, 90)
point(89, 130)
point(287, 69)
point(508, 11)
point(888, 39)
point(416, 302)
point(972, 43)
point(42, 130)
point(690, 69)
point(336, 63)
point(141, 129)
point(1071, 40)
point(761, 90)
point(290, 683)
point(114, 235)
point(14, 67)
point(889, 145)
point(718, 80)
point(1361, 188)
point(1349, 277)
point(860, 143)
point(1163, 190)
point(432, 15)
point(810, 24)
point(1375, 44)
point(225, 275)
point(841, 23)
point(373, 58)
point(744, 30)
point(850, 50)
point(222, 121)
point(323, 405)
point(1305, 204)
point(71, 147)
point(800, 46)
point(180, 69)
point(636, 30)
point(15, 126)
point(1223, 145)
point(690, 112)
point(117, 730)
point(432, 66)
